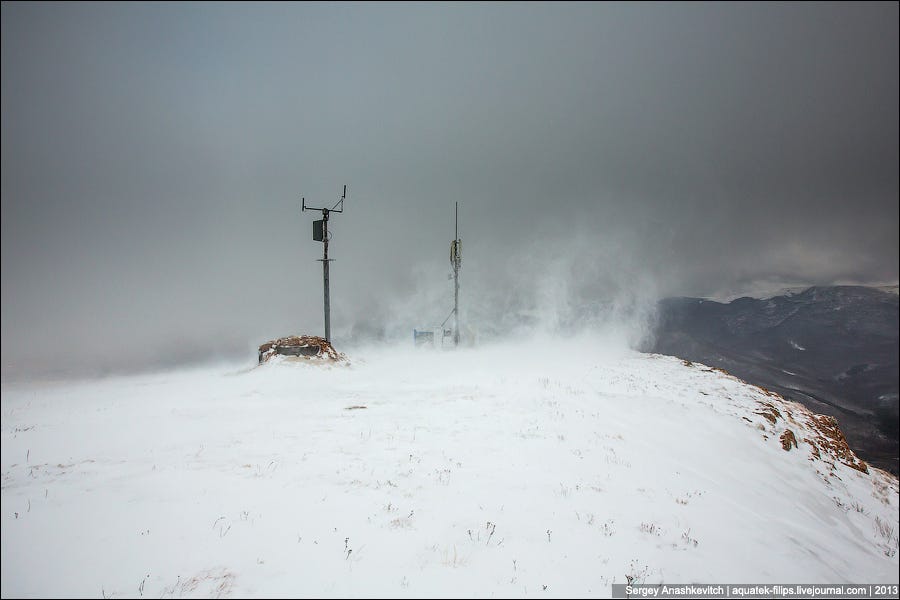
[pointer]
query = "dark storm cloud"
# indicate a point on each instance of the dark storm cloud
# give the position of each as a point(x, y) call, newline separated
point(154, 157)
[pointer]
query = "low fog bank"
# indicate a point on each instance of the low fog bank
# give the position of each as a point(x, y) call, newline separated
point(579, 286)
point(585, 279)
point(508, 355)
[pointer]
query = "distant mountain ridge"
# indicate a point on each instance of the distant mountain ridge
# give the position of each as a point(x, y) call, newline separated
point(833, 349)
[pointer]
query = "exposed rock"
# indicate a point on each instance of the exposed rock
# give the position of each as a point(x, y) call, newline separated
point(769, 411)
point(308, 347)
point(822, 433)
point(788, 440)
point(831, 439)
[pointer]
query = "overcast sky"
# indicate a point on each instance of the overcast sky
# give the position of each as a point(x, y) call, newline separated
point(154, 157)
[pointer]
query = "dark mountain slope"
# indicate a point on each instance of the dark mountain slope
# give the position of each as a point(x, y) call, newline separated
point(834, 349)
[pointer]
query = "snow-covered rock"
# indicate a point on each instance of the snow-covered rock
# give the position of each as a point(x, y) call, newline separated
point(300, 347)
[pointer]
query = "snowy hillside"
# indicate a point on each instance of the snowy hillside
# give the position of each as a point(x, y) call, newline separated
point(834, 349)
point(545, 469)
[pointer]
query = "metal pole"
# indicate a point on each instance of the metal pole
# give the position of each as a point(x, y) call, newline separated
point(325, 275)
point(325, 260)
point(456, 280)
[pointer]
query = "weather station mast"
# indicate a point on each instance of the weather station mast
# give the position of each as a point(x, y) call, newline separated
point(321, 234)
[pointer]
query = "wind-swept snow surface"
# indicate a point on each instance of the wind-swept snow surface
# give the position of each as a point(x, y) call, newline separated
point(546, 469)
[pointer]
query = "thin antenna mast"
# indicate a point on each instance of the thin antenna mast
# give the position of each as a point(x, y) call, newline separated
point(320, 234)
point(456, 261)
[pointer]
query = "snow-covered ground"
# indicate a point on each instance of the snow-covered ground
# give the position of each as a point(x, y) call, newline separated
point(545, 468)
